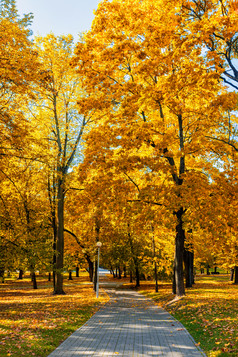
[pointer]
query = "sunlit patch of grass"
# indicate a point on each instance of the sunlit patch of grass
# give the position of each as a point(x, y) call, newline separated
point(35, 322)
point(209, 311)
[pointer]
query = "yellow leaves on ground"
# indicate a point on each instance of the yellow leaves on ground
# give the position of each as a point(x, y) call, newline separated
point(34, 322)
point(209, 312)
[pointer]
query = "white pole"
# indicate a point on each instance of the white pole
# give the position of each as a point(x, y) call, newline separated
point(97, 288)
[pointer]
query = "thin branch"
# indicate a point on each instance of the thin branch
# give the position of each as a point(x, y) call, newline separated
point(132, 181)
point(149, 202)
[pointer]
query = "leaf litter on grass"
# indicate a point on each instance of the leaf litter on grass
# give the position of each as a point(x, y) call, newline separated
point(209, 311)
point(34, 322)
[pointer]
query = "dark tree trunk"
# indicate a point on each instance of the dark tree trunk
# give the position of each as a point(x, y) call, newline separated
point(232, 274)
point(20, 277)
point(33, 279)
point(95, 276)
point(236, 275)
point(208, 272)
point(90, 268)
point(77, 272)
point(112, 272)
point(174, 282)
point(155, 266)
point(137, 276)
point(124, 269)
point(179, 250)
point(119, 273)
point(188, 263)
point(2, 274)
point(131, 276)
point(54, 248)
point(116, 273)
point(49, 277)
point(60, 242)
point(70, 275)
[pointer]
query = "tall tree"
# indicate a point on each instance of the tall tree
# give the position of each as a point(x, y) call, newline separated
point(58, 91)
point(159, 102)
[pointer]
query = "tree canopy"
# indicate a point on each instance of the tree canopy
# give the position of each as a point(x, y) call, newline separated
point(128, 138)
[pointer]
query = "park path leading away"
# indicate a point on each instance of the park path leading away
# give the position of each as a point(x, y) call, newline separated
point(129, 325)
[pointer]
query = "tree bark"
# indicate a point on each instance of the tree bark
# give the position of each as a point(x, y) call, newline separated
point(155, 265)
point(20, 277)
point(95, 276)
point(188, 263)
point(173, 280)
point(77, 272)
point(179, 251)
point(70, 275)
point(33, 279)
point(2, 274)
point(236, 275)
point(112, 272)
point(137, 276)
point(119, 273)
point(90, 268)
point(54, 249)
point(60, 241)
point(232, 274)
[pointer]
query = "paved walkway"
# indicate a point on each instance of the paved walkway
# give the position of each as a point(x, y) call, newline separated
point(129, 325)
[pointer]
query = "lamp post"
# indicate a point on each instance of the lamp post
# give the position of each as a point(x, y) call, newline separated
point(99, 244)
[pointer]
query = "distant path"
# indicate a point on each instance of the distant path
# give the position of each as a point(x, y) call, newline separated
point(129, 325)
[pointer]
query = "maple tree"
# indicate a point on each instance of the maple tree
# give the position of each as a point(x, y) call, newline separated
point(18, 73)
point(64, 124)
point(160, 102)
point(25, 230)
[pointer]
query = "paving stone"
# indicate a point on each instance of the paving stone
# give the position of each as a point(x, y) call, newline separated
point(129, 325)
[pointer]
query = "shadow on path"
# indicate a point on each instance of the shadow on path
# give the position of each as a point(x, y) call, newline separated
point(129, 325)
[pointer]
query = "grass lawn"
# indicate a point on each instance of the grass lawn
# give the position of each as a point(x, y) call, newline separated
point(209, 311)
point(35, 322)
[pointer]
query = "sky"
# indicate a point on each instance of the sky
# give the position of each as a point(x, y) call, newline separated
point(61, 17)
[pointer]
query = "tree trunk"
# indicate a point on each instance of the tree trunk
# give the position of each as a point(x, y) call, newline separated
point(60, 241)
point(33, 279)
point(77, 272)
point(208, 272)
point(112, 272)
point(54, 249)
point(90, 267)
point(232, 274)
point(49, 277)
point(20, 277)
point(2, 274)
point(155, 264)
point(179, 250)
point(188, 263)
point(174, 282)
point(119, 273)
point(70, 275)
point(95, 276)
point(131, 276)
point(236, 275)
point(137, 276)
point(124, 269)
